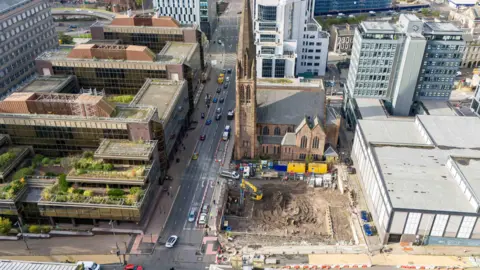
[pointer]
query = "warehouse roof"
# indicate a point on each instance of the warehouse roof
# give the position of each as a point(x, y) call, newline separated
point(396, 132)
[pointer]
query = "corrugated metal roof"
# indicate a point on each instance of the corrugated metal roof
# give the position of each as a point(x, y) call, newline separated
point(21, 265)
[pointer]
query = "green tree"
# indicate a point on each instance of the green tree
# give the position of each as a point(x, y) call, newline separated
point(65, 39)
point(139, 3)
point(22, 173)
point(62, 182)
point(5, 225)
point(308, 159)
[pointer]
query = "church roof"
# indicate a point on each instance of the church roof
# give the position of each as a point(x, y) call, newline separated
point(288, 107)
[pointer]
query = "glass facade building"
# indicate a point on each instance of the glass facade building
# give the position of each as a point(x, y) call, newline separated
point(26, 30)
point(349, 6)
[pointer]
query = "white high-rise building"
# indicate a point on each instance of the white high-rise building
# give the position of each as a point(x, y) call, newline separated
point(289, 42)
point(200, 12)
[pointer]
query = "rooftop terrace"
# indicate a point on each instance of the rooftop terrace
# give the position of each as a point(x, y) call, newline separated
point(47, 84)
point(125, 149)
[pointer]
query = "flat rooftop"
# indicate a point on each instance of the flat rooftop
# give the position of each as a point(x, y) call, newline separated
point(371, 108)
point(441, 27)
point(275, 106)
point(162, 94)
point(417, 178)
point(47, 84)
point(433, 107)
point(178, 49)
point(452, 131)
point(393, 132)
point(125, 149)
point(377, 26)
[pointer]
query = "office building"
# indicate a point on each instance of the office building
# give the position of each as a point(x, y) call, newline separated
point(63, 124)
point(323, 7)
point(202, 13)
point(341, 38)
point(420, 176)
point(267, 123)
point(289, 42)
point(122, 69)
point(26, 30)
point(402, 63)
point(146, 30)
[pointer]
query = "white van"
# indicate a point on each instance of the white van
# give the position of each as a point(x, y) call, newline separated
point(246, 172)
point(225, 136)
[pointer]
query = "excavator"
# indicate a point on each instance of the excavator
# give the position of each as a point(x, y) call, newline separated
point(256, 194)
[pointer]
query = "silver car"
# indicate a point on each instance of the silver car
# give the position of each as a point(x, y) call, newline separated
point(192, 215)
point(171, 241)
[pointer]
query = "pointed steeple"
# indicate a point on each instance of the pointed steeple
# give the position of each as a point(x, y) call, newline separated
point(246, 47)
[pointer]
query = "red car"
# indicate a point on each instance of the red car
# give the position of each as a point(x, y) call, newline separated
point(133, 267)
point(202, 138)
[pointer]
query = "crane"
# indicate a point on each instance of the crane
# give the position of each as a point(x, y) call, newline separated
point(256, 193)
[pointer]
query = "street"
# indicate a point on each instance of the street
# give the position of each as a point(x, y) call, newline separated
point(200, 175)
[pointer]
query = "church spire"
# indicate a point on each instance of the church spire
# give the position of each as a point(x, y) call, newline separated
point(246, 47)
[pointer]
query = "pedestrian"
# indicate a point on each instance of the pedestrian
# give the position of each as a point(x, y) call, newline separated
point(214, 202)
point(168, 193)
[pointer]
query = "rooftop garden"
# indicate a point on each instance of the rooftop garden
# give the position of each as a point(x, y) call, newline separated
point(125, 99)
point(7, 157)
point(88, 167)
point(63, 192)
point(10, 190)
point(329, 21)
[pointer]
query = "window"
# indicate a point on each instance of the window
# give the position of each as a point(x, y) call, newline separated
point(302, 156)
point(267, 38)
point(267, 50)
point(289, 129)
point(267, 13)
point(439, 225)
point(316, 143)
point(263, 26)
point(276, 131)
point(266, 131)
point(303, 142)
point(279, 68)
point(466, 227)
point(412, 223)
point(267, 67)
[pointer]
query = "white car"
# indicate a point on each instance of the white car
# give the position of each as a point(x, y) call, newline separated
point(228, 79)
point(91, 12)
point(203, 219)
point(171, 241)
point(78, 9)
point(89, 265)
point(192, 214)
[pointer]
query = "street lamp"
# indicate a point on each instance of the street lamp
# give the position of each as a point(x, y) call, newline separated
point(21, 231)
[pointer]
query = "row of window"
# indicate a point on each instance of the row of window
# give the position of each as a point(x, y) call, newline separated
point(305, 43)
point(367, 92)
point(441, 63)
point(267, 68)
point(27, 13)
point(310, 57)
point(305, 50)
point(443, 55)
point(375, 62)
point(267, 13)
point(383, 54)
point(375, 70)
point(26, 25)
point(377, 46)
point(309, 64)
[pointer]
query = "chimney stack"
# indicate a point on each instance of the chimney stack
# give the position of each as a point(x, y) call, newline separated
point(129, 12)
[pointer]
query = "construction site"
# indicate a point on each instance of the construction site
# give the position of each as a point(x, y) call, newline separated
point(277, 212)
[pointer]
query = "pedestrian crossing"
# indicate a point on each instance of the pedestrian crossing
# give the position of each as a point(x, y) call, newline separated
point(230, 59)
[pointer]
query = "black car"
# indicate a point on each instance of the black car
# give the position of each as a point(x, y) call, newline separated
point(226, 85)
point(218, 117)
point(229, 71)
point(219, 90)
point(221, 100)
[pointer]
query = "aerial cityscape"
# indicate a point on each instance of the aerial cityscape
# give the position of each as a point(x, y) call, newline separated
point(239, 134)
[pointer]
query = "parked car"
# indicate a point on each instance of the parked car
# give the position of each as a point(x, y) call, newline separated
point(348, 161)
point(171, 241)
point(364, 216)
point(192, 214)
point(351, 170)
point(225, 86)
point(203, 219)
point(89, 265)
point(229, 71)
point(132, 266)
point(214, 100)
point(205, 208)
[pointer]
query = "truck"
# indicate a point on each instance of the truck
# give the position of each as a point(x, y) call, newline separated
point(229, 174)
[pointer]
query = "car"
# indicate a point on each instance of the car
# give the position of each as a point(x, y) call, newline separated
point(224, 71)
point(202, 115)
point(219, 110)
point(219, 90)
point(192, 215)
point(364, 216)
point(368, 229)
point(342, 84)
point(209, 121)
point(202, 138)
point(229, 71)
point(194, 156)
point(218, 117)
point(351, 16)
point(225, 86)
point(230, 115)
point(89, 265)
point(228, 79)
point(205, 208)
point(351, 170)
point(132, 266)
point(78, 9)
point(214, 100)
point(91, 12)
point(221, 100)
point(171, 241)
point(202, 219)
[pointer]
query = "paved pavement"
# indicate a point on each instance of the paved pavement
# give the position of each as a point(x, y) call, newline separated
point(198, 176)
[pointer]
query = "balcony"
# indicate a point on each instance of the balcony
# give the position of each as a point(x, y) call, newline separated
point(9, 196)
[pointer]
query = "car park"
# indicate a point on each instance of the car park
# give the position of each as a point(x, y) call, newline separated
point(208, 122)
point(171, 241)
point(192, 215)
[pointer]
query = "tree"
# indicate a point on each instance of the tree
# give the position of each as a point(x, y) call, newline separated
point(139, 3)
point(5, 225)
point(308, 159)
point(62, 182)
point(65, 39)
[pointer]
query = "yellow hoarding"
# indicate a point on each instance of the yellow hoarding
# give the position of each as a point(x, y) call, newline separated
point(320, 168)
point(296, 167)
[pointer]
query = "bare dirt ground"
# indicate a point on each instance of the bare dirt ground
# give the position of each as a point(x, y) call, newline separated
point(293, 212)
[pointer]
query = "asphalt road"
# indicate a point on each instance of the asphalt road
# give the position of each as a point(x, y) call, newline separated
point(200, 175)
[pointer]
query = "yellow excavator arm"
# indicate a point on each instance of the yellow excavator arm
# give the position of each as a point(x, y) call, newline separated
point(256, 193)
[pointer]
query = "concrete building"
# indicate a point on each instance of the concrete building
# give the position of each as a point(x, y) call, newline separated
point(52, 84)
point(267, 125)
point(26, 30)
point(341, 38)
point(475, 106)
point(471, 54)
point(203, 13)
point(289, 42)
point(420, 178)
point(403, 63)
point(153, 32)
point(122, 69)
point(467, 18)
point(323, 7)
